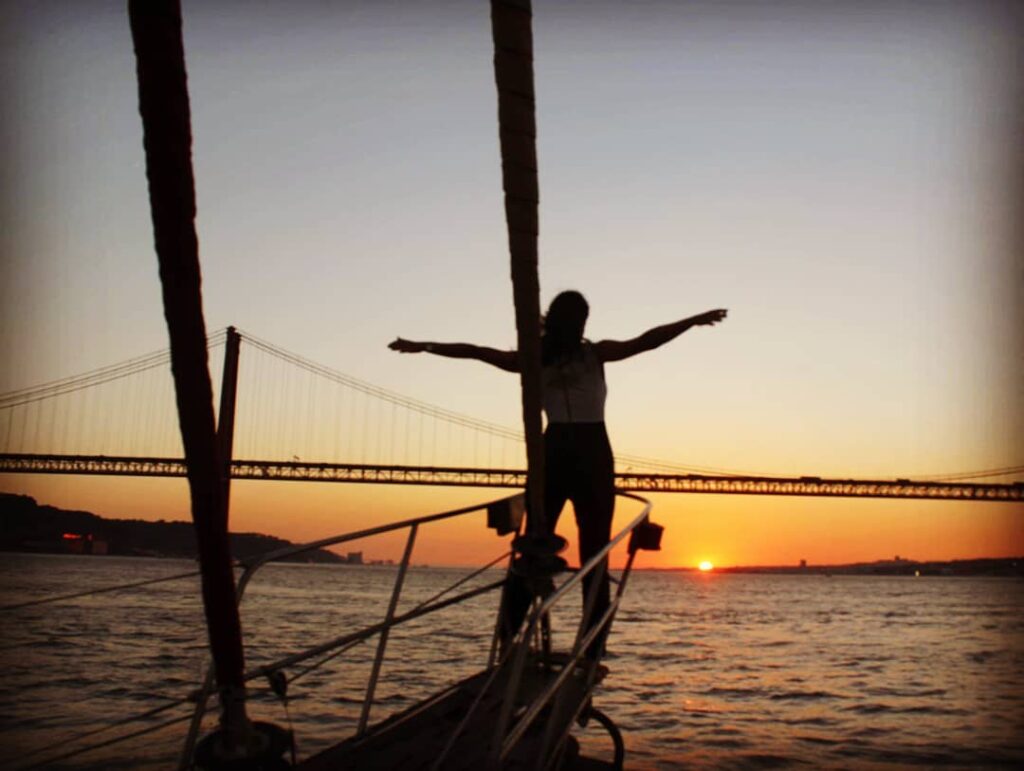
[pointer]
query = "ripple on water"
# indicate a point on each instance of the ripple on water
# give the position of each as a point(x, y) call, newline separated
point(925, 755)
point(981, 657)
point(905, 692)
point(876, 708)
point(810, 720)
point(739, 672)
point(827, 741)
point(762, 760)
point(804, 696)
point(724, 742)
point(741, 693)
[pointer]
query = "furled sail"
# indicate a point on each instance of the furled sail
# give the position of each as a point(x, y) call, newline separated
point(511, 27)
point(167, 136)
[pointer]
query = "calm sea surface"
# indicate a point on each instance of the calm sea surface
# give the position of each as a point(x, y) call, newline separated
point(706, 671)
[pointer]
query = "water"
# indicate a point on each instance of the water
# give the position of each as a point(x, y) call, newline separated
point(739, 671)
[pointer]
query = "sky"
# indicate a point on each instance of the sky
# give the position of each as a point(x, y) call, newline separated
point(843, 177)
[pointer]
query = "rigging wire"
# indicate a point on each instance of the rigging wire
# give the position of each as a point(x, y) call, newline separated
point(101, 590)
point(419, 606)
point(190, 697)
point(111, 726)
point(48, 762)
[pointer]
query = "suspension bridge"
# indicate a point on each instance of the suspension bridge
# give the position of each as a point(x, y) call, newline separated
point(283, 409)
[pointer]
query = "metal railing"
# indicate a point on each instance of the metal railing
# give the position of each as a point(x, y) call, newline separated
point(530, 639)
point(515, 655)
point(527, 640)
point(343, 642)
point(587, 634)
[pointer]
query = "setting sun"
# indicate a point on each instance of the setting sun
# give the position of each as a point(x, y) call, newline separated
point(705, 566)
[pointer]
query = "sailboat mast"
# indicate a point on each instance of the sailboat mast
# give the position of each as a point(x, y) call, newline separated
point(511, 28)
point(164, 107)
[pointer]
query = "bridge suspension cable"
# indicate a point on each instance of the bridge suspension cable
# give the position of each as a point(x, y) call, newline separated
point(476, 424)
point(1005, 471)
point(383, 394)
point(323, 413)
point(97, 377)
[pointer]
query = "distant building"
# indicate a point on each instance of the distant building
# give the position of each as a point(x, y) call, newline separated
point(803, 564)
point(75, 543)
point(354, 558)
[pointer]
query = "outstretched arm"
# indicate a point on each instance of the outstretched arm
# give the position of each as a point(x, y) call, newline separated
point(506, 360)
point(615, 350)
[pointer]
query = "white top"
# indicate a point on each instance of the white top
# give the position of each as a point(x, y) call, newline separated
point(574, 390)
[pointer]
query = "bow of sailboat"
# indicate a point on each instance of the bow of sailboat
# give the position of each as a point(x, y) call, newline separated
point(519, 709)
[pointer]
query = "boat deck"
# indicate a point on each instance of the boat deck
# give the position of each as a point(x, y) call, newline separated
point(417, 737)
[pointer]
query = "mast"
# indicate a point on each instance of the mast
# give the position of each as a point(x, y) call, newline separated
point(511, 28)
point(164, 108)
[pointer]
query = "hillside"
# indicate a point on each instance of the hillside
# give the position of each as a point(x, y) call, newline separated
point(27, 526)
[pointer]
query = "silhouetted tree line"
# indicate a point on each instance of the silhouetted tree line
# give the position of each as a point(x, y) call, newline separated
point(27, 526)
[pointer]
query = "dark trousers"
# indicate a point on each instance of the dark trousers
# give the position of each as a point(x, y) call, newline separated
point(578, 467)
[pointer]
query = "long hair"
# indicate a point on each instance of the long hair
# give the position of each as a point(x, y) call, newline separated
point(563, 327)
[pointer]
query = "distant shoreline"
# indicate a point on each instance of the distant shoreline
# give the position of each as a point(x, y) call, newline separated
point(982, 566)
point(29, 527)
point(1010, 567)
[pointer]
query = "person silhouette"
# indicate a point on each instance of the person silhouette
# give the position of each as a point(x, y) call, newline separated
point(578, 462)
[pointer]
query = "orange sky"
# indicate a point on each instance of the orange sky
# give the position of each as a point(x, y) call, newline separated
point(846, 184)
point(726, 530)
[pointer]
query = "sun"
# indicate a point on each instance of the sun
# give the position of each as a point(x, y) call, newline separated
point(705, 566)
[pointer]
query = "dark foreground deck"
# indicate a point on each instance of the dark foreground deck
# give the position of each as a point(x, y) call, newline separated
point(417, 737)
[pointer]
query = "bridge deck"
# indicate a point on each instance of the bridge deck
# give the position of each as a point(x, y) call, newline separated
point(354, 473)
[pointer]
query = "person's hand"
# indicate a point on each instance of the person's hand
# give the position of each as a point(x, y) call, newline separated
point(406, 346)
point(710, 318)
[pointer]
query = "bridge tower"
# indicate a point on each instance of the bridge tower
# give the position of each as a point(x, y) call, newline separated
point(226, 413)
